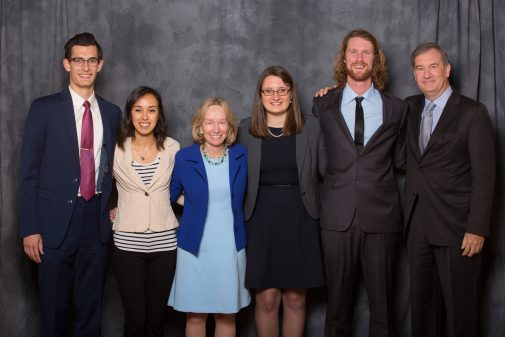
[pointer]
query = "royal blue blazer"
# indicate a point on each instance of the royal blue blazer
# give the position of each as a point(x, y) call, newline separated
point(189, 176)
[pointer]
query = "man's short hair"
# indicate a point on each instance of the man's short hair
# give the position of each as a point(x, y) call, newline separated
point(82, 39)
point(423, 48)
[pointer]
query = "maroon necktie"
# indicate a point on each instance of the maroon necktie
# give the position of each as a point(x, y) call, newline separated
point(87, 156)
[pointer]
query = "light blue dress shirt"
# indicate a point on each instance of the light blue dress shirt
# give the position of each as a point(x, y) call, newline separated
point(372, 110)
point(440, 103)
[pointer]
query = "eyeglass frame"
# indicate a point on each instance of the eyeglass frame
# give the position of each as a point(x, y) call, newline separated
point(81, 61)
point(278, 91)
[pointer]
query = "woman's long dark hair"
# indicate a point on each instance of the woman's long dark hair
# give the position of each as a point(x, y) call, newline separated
point(126, 128)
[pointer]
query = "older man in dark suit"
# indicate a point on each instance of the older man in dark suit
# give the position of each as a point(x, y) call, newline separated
point(449, 197)
point(360, 207)
point(65, 183)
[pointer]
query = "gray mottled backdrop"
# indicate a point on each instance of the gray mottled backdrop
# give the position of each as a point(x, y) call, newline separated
point(192, 49)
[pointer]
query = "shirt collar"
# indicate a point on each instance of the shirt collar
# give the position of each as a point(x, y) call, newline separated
point(349, 95)
point(441, 100)
point(78, 101)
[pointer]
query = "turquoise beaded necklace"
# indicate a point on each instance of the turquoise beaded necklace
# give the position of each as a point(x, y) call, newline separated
point(216, 162)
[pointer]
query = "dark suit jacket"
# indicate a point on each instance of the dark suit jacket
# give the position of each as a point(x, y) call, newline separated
point(308, 159)
point(361, 186)
point(452, 183)
point(190, 176)
point(50, 170)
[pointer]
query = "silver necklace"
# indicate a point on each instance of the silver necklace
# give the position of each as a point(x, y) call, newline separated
point(274, 135)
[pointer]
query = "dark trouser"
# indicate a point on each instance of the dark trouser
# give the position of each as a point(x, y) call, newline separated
point(144, 282)
point(78, 266)
point(441, 277)
point(345, 253)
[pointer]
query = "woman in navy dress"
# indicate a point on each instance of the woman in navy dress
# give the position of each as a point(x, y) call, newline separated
point(285, 161)
point(211, 175)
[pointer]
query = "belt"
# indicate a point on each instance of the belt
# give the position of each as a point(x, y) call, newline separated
point(95, 196)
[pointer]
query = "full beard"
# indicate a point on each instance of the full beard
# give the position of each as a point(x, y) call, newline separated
point(359, 77)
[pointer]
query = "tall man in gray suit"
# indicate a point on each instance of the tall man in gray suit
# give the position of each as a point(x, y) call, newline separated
point(449, 195)
point(360, 206)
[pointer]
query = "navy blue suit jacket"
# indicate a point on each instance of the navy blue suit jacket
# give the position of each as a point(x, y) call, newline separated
point(50, 170)
point(189, 176)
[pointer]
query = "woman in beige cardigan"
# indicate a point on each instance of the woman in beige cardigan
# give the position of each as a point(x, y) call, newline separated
point(144, 252)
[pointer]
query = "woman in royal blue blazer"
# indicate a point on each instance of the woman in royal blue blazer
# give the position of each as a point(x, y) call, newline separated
point(212, 176)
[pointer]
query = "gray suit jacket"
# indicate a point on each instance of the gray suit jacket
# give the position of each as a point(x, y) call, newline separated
point(309, 159)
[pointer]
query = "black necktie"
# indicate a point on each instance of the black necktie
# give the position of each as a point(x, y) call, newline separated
point(359, 125)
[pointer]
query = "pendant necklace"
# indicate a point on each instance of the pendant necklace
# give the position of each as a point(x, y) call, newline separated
point(142, 155)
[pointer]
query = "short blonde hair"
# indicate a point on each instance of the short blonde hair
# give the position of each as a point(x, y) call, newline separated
point(196, 124)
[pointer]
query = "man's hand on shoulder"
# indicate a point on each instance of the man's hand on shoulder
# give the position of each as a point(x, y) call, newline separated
point(33, 247)
point(322, 92)
point(472, 244)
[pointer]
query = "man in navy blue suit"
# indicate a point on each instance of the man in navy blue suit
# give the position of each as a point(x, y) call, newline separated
point(65, 184)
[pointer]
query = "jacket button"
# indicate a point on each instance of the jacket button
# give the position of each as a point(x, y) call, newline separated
point(303, 193)
point(75, 180)
point(146, 194)
point(70, 201)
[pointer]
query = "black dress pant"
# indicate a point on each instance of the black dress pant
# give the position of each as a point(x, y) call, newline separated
point(144, 282)
point(345, 255)
point(441, 279)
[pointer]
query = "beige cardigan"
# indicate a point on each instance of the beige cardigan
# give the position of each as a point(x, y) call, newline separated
point(139, 207)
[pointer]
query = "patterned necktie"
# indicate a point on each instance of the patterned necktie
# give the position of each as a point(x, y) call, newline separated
point(359, 125)
point(426, 125)
point(87, 157)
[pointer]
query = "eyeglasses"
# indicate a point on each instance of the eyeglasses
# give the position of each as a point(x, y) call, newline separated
point(280, 91)
point(79, 61)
